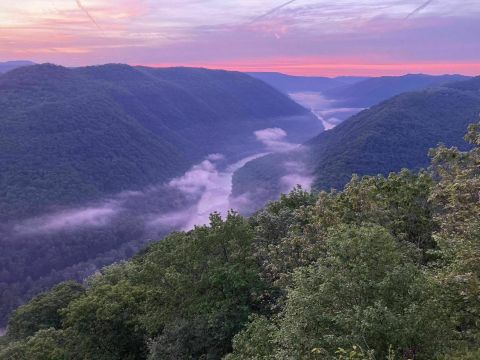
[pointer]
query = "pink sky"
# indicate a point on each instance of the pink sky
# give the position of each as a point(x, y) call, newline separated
point(303, 37)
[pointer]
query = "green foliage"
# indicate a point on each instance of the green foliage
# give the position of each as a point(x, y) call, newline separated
point(386, 269)
point(105, 322)
point(457, 201)
point(367, 290)
point(399, 203)
point(43, 311)
point(72, 136)
point(257, 341)
point(205, 284)
point(388, 137)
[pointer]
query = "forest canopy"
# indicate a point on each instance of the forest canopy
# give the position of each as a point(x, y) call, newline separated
point(388, 268)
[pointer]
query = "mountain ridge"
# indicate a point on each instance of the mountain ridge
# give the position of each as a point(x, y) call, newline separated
point(178, 124)
point(389, 136)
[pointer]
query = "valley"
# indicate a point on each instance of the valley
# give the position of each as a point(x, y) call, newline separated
point(132, 168)
point(239, 180)
point(113, 200)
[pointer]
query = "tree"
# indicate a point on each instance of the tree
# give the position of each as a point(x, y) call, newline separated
point(366, 290)
point(105, 323)
point(44, 311)
point(204, 283)
point(457, 200)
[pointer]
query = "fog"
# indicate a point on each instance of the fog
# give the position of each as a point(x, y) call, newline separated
point(326, 110)
point(297, 174)
point(180, 204)
point(274, 139)
point(69, 219)
point(211, 185)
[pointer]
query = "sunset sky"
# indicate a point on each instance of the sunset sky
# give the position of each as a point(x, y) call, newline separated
point(302, 37)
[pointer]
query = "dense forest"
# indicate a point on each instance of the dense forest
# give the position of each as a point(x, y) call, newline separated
point(392, 135)
point(75, 142)
point(70, 135)
point(388, 268)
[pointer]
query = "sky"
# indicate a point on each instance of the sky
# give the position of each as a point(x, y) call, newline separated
point(299, 37)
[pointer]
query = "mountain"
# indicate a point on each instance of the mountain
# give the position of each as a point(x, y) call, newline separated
point(333, 100)
point(70, 135)
point(86, 155)
point(387, 268)
point(371, 91)
point(392, 135)
point(10, 65)
point(292, 84)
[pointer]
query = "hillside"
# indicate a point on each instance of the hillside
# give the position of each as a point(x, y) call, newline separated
point(10, 65)
point(371, 91)
point(392, 135)
point(84, 153)
point(100, 130)
point(292, 84)
point(385, 269)
point(395, 134)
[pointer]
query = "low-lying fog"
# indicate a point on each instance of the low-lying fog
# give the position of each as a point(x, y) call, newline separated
point(324, 109)
point(138, 217)
point(187, 200)
point(180, 204)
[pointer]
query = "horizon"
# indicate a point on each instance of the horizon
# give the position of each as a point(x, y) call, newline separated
point(296, 37)
point(247, 71)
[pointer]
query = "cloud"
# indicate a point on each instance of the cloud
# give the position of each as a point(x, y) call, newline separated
point(312, 36)
point(198, 178)
point(182, 203)
point(215, 157)
point(174, 219)
point(274, 139)
point(270, 134)
point(69, 220)
point(297, 174)
point(296, 171)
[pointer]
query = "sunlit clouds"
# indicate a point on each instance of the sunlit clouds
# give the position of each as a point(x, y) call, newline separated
point(318, 37)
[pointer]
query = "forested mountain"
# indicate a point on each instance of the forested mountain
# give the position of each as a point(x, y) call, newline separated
point(10, 65)
point(395, 134)
point(354, 92)
point(388, 268)
point(392, 135)
point(84, 153)
point(69, 135)
point(371, 91)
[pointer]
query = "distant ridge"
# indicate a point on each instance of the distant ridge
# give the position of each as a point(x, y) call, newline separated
point(73, 134)
point(292, 84)
point(10, 65)
point(354, 91)
point(371, 91)
point(392, 135)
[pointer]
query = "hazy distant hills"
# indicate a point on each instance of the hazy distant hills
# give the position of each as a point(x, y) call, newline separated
point(291, 84)
point(396, 133)
point(392, 135)
point(371, 91)
point(10, 65)
point(75, 142)
point(68, 135)
point(354, 92)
